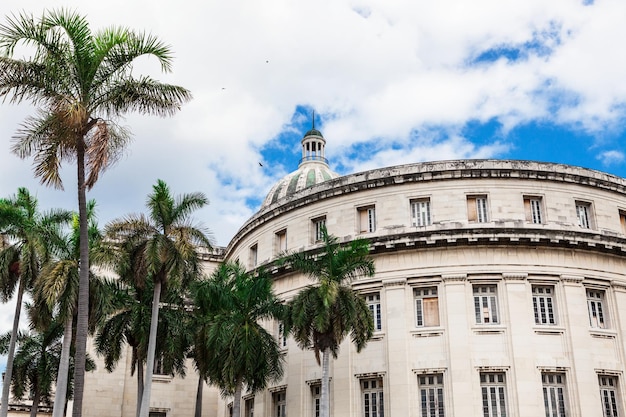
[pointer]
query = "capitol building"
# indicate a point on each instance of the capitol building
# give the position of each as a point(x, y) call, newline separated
point(500, 290)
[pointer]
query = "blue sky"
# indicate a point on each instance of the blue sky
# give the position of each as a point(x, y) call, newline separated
point(392, 82)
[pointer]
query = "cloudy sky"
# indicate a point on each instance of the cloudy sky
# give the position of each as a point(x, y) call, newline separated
point(392, 82)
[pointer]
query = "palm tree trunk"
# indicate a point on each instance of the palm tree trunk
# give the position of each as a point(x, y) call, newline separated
point(325, 394)
point(64, 369)
point(154, 321)
point(139, 384)
point(8, 373)
point(83, 285)
point(198, 410)
point(35, 407)
point(237, 400)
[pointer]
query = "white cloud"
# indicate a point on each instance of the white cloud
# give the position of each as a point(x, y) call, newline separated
point(611, 157)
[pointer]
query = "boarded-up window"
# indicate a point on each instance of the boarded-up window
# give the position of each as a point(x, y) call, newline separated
point(533, 209)
point(281, 241)
point(477, 208)
point(426, 307)
point(367, 219)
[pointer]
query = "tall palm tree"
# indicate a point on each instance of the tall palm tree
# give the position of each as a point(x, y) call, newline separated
point(57, 290)
point(238, 351)
point(32, 235)
point(323, 314)
point(82, 82)
point(167, 253)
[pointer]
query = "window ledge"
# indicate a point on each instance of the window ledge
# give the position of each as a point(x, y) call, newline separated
point(379, 335)
point(603, 333)
point(162, 378)
point(489, 329)
point(429, 332)
point(548, 329)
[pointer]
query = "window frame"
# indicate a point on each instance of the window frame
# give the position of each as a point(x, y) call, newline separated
point(316, 228)
point(419, 295)
point(554, 390)
point(478, 208)
point(420, 216)
point(280, 241)
point(253, 258)
point(373, 301)
point(371, 408)
point(494, 383)
point(584, 208)
point(248, 407)
point(480, 298)
point(534, 209)
point(279, 403)
point(367, 218)
point(544, 304)
point(610, 397)
point(597, 308)
point(429, 386)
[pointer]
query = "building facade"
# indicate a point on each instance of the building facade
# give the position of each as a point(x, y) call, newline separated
point(500, 290)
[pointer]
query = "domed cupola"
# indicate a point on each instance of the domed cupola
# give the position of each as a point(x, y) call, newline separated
point(313, 168)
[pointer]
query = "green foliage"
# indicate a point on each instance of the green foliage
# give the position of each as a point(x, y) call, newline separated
point(232, 346)
point(323, 314)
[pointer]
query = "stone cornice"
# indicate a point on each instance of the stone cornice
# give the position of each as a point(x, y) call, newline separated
point(435, 171)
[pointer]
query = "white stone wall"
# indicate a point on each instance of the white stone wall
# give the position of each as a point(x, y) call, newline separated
point(452, 254)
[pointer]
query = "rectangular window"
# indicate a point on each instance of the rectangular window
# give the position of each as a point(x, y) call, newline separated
point(609, 396)
point(431, 395)
point(157, 414)
point(281, 241)
point(426, 307)
point(485, 304)
point(533, 209)
point(280, 404)
point(373, 302)
point(373, 397)
point(584, 215)
point(554, 394)
point(595, 304)
point(249, 407)
point(543, 304)
point(317, 226)
point(367, 219)
point(159, 365)
point(316, 393)
point(254, 255)
point(420, 212)
point(477, 209)
point(493, 390)
point(622, 220)
point(281, 336)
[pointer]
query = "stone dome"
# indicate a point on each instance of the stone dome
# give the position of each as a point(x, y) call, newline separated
point(313, 169)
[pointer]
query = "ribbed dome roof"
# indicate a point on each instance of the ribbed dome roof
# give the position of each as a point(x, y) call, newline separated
point(306, 176)
point(313, 169)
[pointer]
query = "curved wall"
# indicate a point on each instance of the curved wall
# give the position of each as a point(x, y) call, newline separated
point(513, 286)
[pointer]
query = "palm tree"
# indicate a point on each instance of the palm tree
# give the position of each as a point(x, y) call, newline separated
point(36, 361)
point(57, 290)
point(129, 323)
point(322, 315)
point(32, 236)
point(238, 351)
point(166, 245)
point(82, 82)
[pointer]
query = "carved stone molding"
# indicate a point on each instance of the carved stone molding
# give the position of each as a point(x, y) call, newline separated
point(396, 282)
point(454, 278)
point(572, 279)
point(515, 276)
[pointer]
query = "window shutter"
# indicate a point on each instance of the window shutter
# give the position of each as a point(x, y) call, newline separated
point(472, 216)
